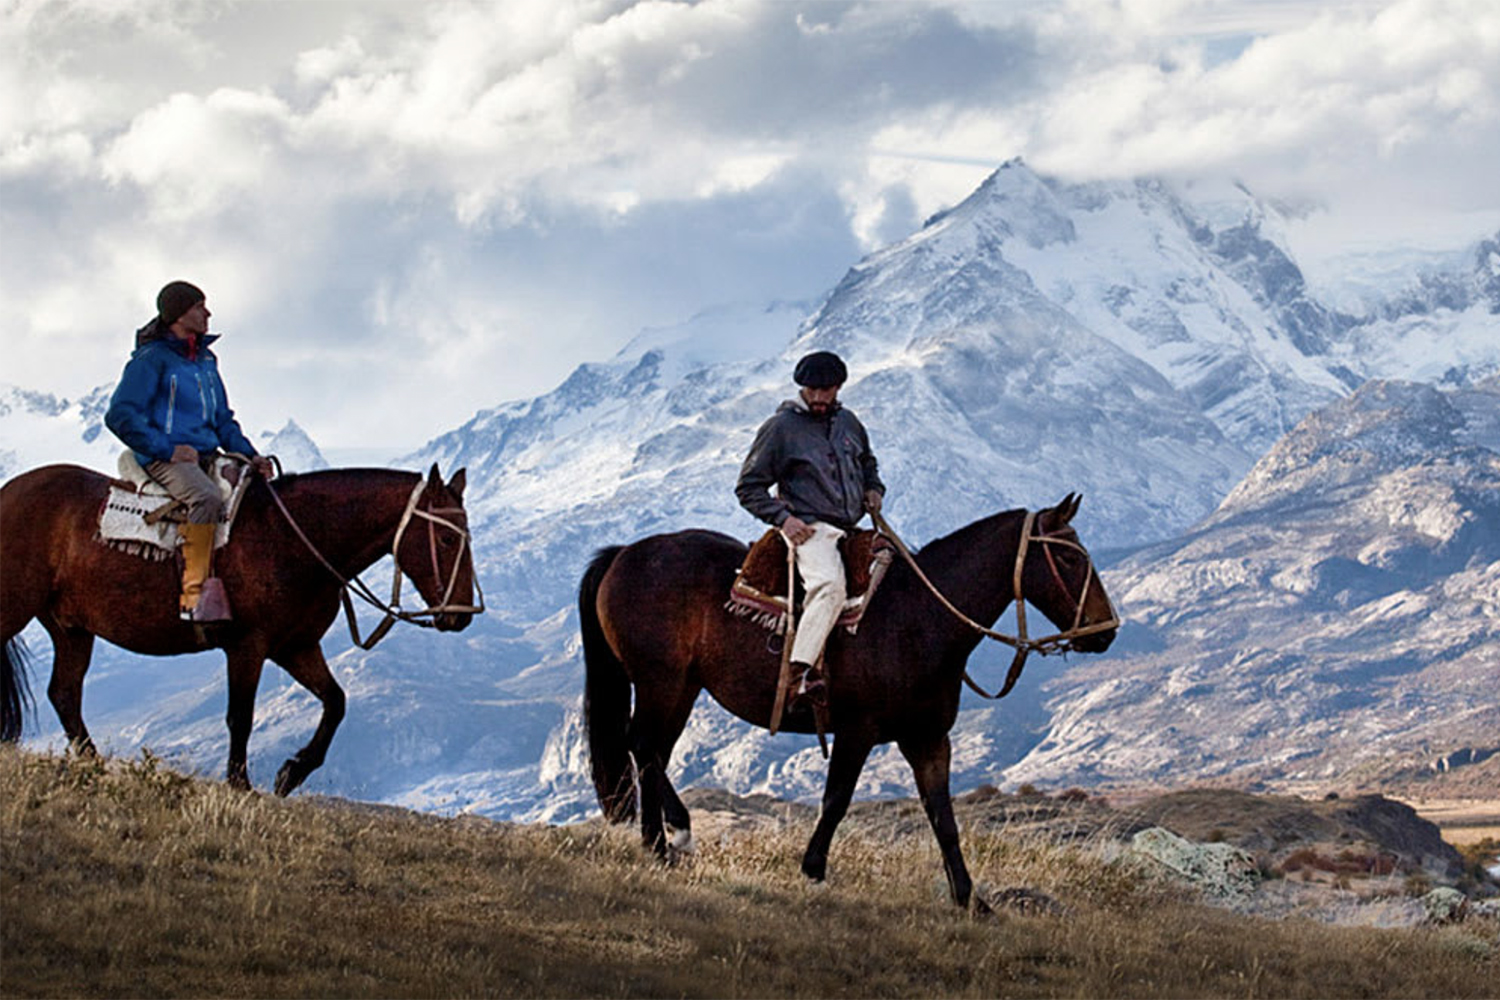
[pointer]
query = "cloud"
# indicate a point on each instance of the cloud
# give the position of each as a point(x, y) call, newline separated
point(479, 195)
point(1312, 106)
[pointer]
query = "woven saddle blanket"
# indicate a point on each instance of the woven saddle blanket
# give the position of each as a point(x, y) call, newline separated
point(141, 518)
point(759, 591)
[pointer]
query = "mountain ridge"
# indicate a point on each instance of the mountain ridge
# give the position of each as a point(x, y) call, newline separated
point(1143, 343)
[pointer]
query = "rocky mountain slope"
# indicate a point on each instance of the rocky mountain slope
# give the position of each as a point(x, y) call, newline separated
point(1338, 617)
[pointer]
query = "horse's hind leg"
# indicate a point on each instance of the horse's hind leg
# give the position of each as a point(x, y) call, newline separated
point(850, 751)
point(72, 651)
point(309, 669)
point(676, 816)
point(654, 727)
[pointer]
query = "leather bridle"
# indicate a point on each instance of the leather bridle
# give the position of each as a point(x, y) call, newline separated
point(426, 617)
point(1060, 642)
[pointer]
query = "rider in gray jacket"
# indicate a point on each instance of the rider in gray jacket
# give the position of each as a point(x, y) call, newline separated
point(820, 464)
point(817, 456)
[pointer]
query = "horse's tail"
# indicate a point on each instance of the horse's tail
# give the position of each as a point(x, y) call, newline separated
point(15, 690)
point(606, 701)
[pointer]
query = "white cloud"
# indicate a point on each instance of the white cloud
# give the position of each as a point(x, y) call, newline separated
point(486, 193)
point(191, 155)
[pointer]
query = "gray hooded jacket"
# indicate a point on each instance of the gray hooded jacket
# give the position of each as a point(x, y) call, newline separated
point(820, 466)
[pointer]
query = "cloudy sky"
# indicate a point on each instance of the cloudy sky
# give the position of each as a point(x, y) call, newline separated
point(404, 212)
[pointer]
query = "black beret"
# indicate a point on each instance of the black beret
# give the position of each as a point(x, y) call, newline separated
point(820, 370)
point(175, 299)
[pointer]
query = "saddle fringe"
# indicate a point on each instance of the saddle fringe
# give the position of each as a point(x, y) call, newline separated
point(771, 621)
point(769, 612)
point(141, 550)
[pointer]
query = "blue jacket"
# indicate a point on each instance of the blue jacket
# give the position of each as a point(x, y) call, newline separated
point(820, 466)
point(164, 399)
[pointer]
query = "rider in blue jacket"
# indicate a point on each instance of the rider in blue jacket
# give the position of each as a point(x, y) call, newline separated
point(170, 408)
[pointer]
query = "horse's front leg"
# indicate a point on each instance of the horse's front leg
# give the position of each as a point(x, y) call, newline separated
point(929, 759)
point(309, 669)
point(244, 664)
point(850, 751)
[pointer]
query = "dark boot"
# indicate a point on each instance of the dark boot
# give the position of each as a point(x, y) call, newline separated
point(812, 689)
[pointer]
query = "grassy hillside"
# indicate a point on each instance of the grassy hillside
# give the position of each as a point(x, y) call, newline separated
point(127, 879)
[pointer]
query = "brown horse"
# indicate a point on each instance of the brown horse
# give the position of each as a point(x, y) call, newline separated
point(295, 543)
point(653, 617)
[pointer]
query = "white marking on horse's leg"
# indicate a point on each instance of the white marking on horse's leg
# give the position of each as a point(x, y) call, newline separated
point(682, 840)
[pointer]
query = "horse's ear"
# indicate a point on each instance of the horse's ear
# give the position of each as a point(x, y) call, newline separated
point(458, 482)
point(433, 477)
point(1064, 511)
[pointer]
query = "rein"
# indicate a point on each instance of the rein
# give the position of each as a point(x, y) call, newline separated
point(425, 618)
point(1059, 642)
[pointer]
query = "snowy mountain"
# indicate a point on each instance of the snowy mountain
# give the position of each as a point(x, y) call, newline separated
point(37, 428)
point(1142, 343)
point(1338, 616)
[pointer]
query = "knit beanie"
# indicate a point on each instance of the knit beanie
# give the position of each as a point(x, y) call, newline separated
point(820, 370)
point(175, 299)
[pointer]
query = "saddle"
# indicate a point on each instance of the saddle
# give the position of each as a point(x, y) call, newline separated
point(140, 517)
point(760, 587)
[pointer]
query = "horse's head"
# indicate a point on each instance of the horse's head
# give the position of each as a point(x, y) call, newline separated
point(434, 551)
point(1058, 578)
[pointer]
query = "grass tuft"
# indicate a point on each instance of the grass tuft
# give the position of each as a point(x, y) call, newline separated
point(127, 878)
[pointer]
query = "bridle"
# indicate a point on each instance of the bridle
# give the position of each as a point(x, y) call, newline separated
point(1059, 642)
point(426, 617)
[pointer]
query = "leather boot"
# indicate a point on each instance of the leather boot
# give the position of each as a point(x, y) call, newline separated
point(203, 597)
point(812, 689)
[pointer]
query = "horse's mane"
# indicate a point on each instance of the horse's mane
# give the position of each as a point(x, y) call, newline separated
point(294, 480)
point(939, 548)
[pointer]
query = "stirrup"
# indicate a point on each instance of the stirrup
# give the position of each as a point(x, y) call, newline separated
point(212, 607)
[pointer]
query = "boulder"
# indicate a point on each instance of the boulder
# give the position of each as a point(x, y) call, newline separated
point(1221, 870)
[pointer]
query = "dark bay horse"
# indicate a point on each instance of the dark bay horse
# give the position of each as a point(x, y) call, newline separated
point(653, 619)
point(281, 567)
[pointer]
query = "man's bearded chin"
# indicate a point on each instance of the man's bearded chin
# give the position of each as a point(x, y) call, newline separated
point(819, 409)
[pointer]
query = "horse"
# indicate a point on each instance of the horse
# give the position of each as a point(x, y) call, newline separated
point(653, 622)
point(297, 543)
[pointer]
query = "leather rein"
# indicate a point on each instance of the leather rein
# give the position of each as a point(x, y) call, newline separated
point(426, 617)
point(1059, 642)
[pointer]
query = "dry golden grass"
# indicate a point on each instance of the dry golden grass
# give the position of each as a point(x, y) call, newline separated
point(1463, 821)
point(126, 879)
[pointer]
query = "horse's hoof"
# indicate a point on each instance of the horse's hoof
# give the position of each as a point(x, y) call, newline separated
point(288, 778)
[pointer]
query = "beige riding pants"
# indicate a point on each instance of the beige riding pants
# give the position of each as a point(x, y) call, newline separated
point(185, 481)
point(822, 571)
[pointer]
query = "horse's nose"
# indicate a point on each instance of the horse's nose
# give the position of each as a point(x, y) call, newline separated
point(455, 622)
